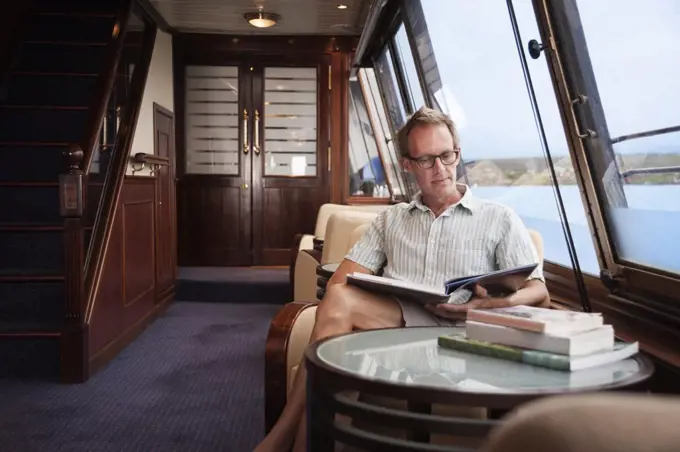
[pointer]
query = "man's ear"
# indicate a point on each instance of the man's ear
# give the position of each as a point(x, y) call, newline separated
point(406, 164)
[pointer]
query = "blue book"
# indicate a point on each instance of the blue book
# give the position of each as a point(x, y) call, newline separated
point(497, 283)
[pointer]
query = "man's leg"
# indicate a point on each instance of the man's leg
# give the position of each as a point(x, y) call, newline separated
point(343, 309)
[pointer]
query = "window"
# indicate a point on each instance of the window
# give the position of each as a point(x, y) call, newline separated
point(396, 111)
point(382, 130)
point(481, 85)
point(366, 171)
point(403, 51)
point(638, 83)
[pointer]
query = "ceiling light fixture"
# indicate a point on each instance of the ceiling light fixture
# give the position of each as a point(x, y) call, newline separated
point(261, 19)
point(342, 6)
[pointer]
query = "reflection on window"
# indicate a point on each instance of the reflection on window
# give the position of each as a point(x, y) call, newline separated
point(366, 172)
point(638, 80)
point(484, 91)
point(409, 66)
point(383, 132)
point(395, 109)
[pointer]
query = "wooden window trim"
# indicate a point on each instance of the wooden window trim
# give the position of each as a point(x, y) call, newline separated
point(651, 322)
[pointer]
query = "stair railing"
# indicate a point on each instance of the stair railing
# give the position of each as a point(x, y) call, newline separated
point(115, 173)
point(83, 263)
point(73, 183)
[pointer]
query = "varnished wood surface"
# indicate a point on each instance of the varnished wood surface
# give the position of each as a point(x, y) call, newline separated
point(275, 360)
point(166, 221)
point(220, 221)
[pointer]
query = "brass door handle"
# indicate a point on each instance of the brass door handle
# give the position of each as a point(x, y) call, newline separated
point(245, 131)
point(256, 132)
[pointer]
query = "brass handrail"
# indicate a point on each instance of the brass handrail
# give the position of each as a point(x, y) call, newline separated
point(150, 160)
point(113, 181)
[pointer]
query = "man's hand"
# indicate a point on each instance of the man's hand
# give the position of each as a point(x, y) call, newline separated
point(480, 300)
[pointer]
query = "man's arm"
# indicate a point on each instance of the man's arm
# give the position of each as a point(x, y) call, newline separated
point(515, 249)
point(366, 256)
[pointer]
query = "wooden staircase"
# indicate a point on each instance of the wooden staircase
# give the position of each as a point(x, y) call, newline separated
point(45, 104)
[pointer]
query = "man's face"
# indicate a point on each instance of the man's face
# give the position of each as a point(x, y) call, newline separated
point(426, 142)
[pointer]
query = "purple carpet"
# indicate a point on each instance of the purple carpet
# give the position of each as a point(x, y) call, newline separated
point(193, 381)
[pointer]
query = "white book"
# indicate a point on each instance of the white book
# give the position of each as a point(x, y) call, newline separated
point(565, 343)
point(540, 320)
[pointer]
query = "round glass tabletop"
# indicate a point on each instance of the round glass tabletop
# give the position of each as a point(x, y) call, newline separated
point(411, 356)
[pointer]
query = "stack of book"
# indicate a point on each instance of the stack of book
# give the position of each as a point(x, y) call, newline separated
point(562, 340)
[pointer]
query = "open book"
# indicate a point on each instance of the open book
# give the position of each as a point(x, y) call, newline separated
point(497, 283)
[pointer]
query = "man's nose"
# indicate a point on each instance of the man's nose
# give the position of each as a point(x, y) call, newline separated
point(438, 165)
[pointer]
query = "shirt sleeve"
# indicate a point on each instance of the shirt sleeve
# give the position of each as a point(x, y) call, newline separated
point(517, 248)
point(369, 251)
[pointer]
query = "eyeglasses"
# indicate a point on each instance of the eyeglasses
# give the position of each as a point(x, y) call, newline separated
point(447, 158)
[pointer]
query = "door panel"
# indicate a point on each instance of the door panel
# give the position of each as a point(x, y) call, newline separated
point(290, 174)
point(214, 199)
point(165, 201)
point(256, 165)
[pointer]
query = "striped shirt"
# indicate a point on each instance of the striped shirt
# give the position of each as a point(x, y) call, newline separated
point(473, 236)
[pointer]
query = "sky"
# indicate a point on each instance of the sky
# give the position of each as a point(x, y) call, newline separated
point(635, 57)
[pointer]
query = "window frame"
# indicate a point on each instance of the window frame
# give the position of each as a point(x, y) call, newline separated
point(379, 132)
point(398, 96)
point(645, 317)
point(572, 72)
point(367, 200)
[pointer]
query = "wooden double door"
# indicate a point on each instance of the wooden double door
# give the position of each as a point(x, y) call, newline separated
point(255, 170)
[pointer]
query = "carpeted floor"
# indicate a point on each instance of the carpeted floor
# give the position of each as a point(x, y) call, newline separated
point(193, 381)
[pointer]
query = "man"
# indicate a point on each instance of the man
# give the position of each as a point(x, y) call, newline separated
point(444, 233)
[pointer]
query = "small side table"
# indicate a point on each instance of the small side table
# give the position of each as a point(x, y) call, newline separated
point(408, 364)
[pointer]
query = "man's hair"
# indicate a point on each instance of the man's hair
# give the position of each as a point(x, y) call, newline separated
point(425, 117)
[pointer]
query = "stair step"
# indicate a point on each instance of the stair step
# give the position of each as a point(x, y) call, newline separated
point(30, 204)
point(30, 355)
point(42, 125)
point(30, 278)
point(52, 90)
point(69, 28)
point(41, 302)
point(31, 252)
point(52, 57)
point(18, 163)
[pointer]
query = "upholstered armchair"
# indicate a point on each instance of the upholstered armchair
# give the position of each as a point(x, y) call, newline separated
point(288, 337)
point(306, 242)
point(337, 243)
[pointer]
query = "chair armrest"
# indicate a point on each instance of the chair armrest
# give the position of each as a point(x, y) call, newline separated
point(288, 335)
point(305, 275)
point(599, 422)
point(300, 242)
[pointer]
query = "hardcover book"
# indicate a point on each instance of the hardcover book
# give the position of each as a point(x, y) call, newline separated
point(620, 351)
point(496, 283)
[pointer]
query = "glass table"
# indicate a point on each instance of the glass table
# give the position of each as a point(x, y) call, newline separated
point(407, 363)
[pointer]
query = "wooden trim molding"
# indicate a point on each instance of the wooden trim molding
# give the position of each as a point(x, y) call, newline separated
point(275, 367)
point(155, 17)
point(656, 330)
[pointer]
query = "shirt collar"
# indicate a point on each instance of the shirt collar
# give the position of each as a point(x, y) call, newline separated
point(468, 201)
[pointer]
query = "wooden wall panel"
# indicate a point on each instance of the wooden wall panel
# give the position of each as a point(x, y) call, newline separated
point(126, 296)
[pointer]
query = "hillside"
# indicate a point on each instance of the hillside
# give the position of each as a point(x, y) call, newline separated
point(534, 171)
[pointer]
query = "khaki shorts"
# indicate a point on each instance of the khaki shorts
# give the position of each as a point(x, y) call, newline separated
point(416, 315)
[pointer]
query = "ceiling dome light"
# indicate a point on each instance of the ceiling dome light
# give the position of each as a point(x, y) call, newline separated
point(342, 6)
point(261, 19)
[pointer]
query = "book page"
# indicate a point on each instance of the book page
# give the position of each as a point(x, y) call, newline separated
point(398, 283)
